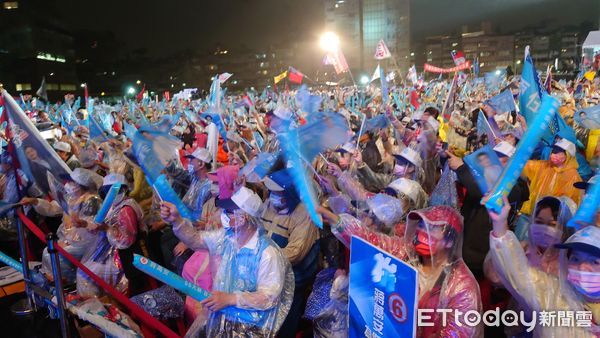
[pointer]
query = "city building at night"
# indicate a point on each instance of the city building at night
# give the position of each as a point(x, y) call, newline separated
point(362, 23)
point(33, 45)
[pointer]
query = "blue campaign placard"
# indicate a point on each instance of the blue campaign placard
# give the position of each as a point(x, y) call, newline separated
point(382, 293)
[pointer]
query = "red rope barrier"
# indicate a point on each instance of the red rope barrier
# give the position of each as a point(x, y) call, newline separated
point(134, 308)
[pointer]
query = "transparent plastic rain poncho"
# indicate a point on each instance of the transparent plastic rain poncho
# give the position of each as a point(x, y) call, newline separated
point(445, 192)
point(75, 240)
point(259, 275)
point(536, 290)
point(123, 221)
point(197, 194)
point(449, 284)
point(546, 259)
point(332, 320)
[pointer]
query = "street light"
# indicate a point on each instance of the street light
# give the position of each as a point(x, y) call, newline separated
point(131, 90)
point(364, 79)
point(329, 42)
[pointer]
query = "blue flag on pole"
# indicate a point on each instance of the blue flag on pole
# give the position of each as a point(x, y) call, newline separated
point(503, 102)
point(26, 138)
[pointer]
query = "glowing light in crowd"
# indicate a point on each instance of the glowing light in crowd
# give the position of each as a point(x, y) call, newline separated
point(131, 90)
point(329, 41)
point(138, 82)
point(364, 79)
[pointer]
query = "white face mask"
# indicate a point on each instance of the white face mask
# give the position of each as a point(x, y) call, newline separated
point(191, 169)
point(225, 221)
point(214, 189)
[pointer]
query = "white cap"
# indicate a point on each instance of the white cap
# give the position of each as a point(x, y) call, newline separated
point(566, 145)
point(202, 154)
point(272, 185)
point(247, 200)
point(408, 187)
point(505, 148)
point(111, 179)
point(86, 178)
point(411, 156)
point(62, 146)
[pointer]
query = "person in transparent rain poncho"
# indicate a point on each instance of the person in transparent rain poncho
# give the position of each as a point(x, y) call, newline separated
point(254, 286)
point(119, 236)
point(74, 233)
point(575, 288)
point(199, 188)
point(365, 182)
point(432, 244)
point(548, 227)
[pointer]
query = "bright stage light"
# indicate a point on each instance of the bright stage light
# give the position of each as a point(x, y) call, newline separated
point(329, 42)
point(364, 79)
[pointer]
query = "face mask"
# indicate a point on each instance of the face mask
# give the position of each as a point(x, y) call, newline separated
point(214, 189)
point(543, 235)
point(424, 244)
point(225, 221)
point(399, 170)
point(277, 201)
point(191, 169)
point(585, 282)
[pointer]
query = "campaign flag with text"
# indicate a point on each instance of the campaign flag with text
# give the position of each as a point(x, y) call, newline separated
point(382, 295)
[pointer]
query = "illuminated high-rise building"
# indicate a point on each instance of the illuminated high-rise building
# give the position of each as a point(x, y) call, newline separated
point(362, 23)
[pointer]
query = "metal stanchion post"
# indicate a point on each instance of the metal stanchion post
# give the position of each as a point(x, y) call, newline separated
point(24, 306)
point(60, 296)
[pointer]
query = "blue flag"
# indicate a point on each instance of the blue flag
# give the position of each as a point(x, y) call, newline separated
point(494, 80)
point(483, 127)
point(530, 99)
point(154, 150)
point(35, 155)
point(503, 102)
point(384, 86)
point(378, 122)
point(530, 89)
point(306, 102)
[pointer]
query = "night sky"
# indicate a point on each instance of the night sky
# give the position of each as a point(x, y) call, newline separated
point(166, 26)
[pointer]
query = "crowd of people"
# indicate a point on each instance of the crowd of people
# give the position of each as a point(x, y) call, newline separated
point(399, 180)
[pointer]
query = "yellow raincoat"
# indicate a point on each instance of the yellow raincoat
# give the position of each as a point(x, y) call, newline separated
point(547, 180)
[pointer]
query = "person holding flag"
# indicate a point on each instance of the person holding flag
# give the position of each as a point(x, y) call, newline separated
point(254, 277)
